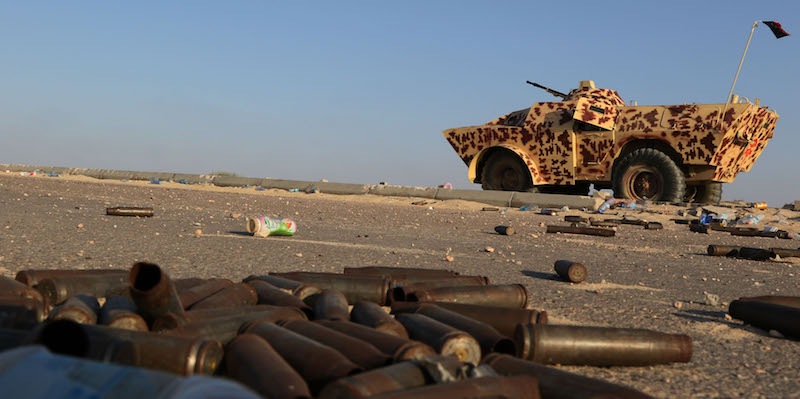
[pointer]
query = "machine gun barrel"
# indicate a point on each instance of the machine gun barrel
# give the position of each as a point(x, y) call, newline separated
point(547, 89)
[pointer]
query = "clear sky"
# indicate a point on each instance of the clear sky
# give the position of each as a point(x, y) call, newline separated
point(360, 91)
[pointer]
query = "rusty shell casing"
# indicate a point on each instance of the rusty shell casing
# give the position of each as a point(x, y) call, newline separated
point(575, 219)
point(517, 387)
point(404, 375)
point(191, 295)
point(13, 288)
point(295, 288)
point(603, 222)
point(59, 289)
point(699, 228)
point(31, 277)
point(250, 360)
point(503, 319)
point(331, 305)
point(760, 233)
point(397, 347)
point(786, 252)
point(400, 291)
point(67, 337)
point(318, 364)
point(653, 226)
point(438, 281)
point(397, 272)
point(504, 230)
point(182, 284)
point(768, 316)
point(790, 301)
point(723, 250)
point(359, 352)
point(571, 271)
point(144, 212)
point(755, 253)
point(446, 340)
point(154, 293)
point(489, 339)
point(224, 327)
point(372, 315)
point(234, 295)
point(555, 383)
point(120, 312)
point(21, 312)
point(591, 231)
point(600, 346)
point(511, 295)
point(268, 294)
point(11, 338)
point(354, 288)
point(175, 354)
point(79, 308)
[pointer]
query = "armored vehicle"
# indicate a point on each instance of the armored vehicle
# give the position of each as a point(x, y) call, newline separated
point(667, 153)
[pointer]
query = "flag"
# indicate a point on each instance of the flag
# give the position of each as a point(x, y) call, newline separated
point(775, 27)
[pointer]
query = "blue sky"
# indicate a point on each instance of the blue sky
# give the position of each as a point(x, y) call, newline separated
point(360, 91)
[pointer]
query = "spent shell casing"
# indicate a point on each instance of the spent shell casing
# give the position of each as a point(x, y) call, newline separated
point(372, 315)
point(190, 295)
point(783, 300)
point(503, 319)
point(130, 211)
point(268, 294)
point(13, 288)
point(222, 324)
point(699, 228)
point(58, 289)
point(330, 305)
point(723, 250)
point(359, 352)
point(400, 290)
point(504, 230)
point(234, 295)
point(154, 293)
point(120, 312)
point(397, 272)
point(768, 316)
point(786, 252)
point(252, 361)
point(489, 339)
point(511, 295)
point(438, 281)
point(67, 337)
point(397, 347)
point(31, 277)
point(571, 271)
point(592, 231)
point(600, 346)
point(517, 387)
point(295, 288)
point(318, 364)
point(555, 383)
point(354, 288)
point(755, 253)
point(79, 308)
point(653, 226)
point(446, 340)
point(21, 312)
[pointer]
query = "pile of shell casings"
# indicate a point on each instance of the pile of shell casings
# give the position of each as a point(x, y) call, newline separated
point(769, 312)
point(327, 335)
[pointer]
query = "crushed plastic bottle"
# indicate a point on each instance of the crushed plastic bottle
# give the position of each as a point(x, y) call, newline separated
point(525, 208)
point(749, 220)
point(154, 180)
point(606, 205)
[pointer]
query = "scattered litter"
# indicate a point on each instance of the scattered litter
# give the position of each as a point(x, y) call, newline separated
point(259, 188)
point(446, 186)
point(154, 180)
point(51, 174)
point(550, 212)
point(606, 205)
point(130, 211)
point(490, 209)
point(760, 205)
point(263, 226)
point(423, 202)
point(294, 190)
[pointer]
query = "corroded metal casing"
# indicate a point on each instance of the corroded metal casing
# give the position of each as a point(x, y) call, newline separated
point(768, 316)
point(372, 315)
point(783, 300)
point(295, 288)
point(268, 294)
point(354, 288)
point(402, 289)
point(600, 346)
point(317, 363)
point(197, 292)
point(13, 288)
point(234, 295)
point(445, 339)
point(130, 211)
point(404, 375)
point(182, 284)
point(154, 294)
point(755, 253)
point(555, 383)
point(330, 305)
point(504, 230)
point(511, 295)
point(67, 337)
point(78, 308)
point(21, 312)
point(359, 352)
point(503, 319)
point(223, 326)
point(31, 277)
point(250, 360)
point(591, 231)
point(397, 272)
point(518, 387)
point(59, 289)
point(786, 252)
point(120, 312)
point(723, 250)
point(398, 348)
point(653, 226)
point(489, 339)
point(571, 271)
point(175, 354)
point(438, 281)
point(699, 228)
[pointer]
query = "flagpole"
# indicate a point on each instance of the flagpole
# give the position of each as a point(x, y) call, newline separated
point(728, 99)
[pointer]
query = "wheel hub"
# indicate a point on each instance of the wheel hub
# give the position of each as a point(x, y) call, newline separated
point(645, 183)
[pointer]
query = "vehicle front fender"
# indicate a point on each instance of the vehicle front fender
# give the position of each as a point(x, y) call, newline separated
point(477, 161)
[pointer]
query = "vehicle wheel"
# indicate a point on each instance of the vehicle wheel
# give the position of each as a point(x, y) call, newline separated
point(505, 171)
point(648, 174)
point(704, 193)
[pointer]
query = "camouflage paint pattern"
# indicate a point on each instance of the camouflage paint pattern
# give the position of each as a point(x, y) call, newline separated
point(579, 138)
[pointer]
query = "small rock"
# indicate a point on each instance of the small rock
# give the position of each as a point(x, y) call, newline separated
point(489, 249)
point(534, 235)
point(677, 305)
point(541, 224)
point(236, 215)
point(198, 232)
point(728, 317)
point(299, 255)
point(211, 201)
point(197, 224)
point(776, 334)
point(449, 258)
point(711, 299)
point(80, 225)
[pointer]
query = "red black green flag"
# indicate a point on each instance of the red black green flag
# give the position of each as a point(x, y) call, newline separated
point(775, 27)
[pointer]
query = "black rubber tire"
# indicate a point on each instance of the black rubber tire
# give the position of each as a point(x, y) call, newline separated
point(505, 171)
point(648, 174)
point(704, 193)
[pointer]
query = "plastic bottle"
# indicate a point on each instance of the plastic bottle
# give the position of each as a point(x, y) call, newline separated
point(32, 372)
point(606, 205)
point(750, 220)
point(263, 226)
